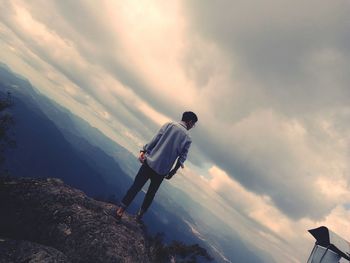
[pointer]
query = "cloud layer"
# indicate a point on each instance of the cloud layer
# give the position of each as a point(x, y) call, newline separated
point(269, 82)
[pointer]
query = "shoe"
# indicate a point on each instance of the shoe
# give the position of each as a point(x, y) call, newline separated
point(119, 213)
point(138, 217)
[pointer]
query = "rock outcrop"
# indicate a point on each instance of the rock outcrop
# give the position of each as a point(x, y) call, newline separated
point(58, 223)
point(25, 251)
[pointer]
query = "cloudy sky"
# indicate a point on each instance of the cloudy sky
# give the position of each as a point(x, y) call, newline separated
point(269, 80)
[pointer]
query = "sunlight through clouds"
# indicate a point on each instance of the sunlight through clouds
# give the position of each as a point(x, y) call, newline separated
point(154, 47)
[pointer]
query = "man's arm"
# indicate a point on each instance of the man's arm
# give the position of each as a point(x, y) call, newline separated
point(174, 170)
point(180, 161)
point(183, 155)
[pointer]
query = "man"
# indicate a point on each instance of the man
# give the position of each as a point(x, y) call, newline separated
point(158, 157)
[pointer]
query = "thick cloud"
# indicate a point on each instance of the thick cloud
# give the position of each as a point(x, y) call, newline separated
point(295, 52)
point(283, 70)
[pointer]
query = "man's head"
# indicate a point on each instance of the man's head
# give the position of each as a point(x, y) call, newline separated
point(190, 118)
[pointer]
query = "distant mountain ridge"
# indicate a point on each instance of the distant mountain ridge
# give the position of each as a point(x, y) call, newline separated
point(38, 137)
point(71, 125)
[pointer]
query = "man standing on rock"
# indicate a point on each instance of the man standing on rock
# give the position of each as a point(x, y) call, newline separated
point(158, 157)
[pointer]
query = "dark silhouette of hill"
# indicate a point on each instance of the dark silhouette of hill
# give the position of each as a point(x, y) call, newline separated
point(38, 138)
point(44, 150)
point(73, 126)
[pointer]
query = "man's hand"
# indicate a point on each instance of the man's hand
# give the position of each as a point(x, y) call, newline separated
point(170, 174)
point(142, 157)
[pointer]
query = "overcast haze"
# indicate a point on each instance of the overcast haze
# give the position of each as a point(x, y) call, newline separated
point(269, 81)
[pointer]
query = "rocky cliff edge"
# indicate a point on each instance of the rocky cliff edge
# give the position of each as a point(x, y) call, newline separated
point(44, 220)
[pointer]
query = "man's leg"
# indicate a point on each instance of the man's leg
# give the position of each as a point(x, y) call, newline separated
point(156, 180)
point(139, 181)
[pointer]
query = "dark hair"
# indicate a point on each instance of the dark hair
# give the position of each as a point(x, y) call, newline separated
point(189, 116)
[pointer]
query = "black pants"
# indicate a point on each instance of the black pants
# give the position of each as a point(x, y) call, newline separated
point(141, 178)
